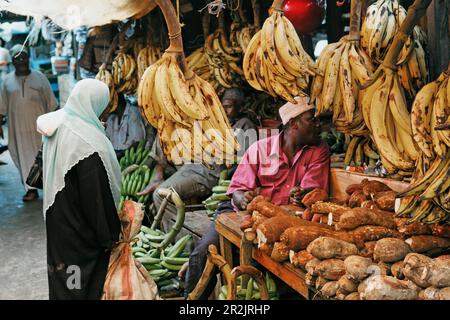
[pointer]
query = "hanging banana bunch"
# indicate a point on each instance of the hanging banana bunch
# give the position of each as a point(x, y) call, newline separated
point(381, 23)
point(343, 66)
point(124, 73)
point(185, 109)
point(105, 76)
point(275, 61)
point(361, 151)
point(197, 61)
point(384, 106)
point(431, 110)
point(223, 58)
point(146, 57)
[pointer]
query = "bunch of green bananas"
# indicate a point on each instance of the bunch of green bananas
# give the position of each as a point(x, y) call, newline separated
point(251, 292)
point(134, 182)
point(360, 151)
point(219, 195)
point(162, 265)
point(135, 156)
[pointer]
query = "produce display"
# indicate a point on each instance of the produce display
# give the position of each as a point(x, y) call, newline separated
point(275, 61)
point(134, 156)
point(251, 290)
point(359, 252)
point(162, 265)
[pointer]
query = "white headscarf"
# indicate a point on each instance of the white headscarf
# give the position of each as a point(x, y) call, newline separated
point(73, 134)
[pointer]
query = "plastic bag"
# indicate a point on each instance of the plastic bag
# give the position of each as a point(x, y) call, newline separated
point(127, 279)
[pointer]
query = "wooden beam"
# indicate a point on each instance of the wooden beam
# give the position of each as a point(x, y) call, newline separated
point(438, 36)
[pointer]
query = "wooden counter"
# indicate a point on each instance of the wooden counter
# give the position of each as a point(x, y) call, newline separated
point(227, 225)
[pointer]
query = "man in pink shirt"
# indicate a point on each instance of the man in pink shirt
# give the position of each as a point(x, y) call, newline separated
point(294, 158)
point(273, 167)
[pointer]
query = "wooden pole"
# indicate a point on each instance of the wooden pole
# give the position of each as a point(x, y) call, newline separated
point(438, 36)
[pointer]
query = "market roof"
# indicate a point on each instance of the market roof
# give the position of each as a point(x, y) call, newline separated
point(70, 14)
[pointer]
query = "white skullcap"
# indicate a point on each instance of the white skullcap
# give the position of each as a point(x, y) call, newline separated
point(289, 110)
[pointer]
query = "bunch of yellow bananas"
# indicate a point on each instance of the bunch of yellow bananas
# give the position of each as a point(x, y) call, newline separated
point(245, 35)
point(197, 61)
point(386, 114)
point(105, 76)
point(361, 151)
point(343, 67)
point(124, 73)
point(382, 21)
point(275, 61)
point(431, 110)
point(146, 57)
point(427, 199)
point(187, 113)
point(223, 59)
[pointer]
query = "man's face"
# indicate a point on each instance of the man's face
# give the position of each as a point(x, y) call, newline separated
point(21, 61)
point(308, 128)
point(230, 107)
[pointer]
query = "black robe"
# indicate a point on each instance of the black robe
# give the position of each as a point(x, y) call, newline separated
point(82, 228)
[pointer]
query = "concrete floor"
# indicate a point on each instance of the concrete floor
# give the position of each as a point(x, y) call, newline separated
point(23, 267)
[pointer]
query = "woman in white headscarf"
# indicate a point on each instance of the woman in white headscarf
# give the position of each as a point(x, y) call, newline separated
point(81, 178)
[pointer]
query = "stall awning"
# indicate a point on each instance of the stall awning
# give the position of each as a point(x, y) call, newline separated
point(69, 14)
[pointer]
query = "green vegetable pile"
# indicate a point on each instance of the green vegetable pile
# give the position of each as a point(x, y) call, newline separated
point(219, 195)
point(251, 291)
point(162, 264)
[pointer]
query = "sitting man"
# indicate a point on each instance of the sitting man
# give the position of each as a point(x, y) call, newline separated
point(271, 167)
point(195, 179)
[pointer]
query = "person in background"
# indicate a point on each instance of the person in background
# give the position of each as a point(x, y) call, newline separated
point(25, 94)
point(124, 126)
point(195, 179)
point(81, 177)
point(5, 60)
point(272, 167)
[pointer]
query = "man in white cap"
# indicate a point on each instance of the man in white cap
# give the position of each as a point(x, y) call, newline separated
point(25, 94)
point(272, 167)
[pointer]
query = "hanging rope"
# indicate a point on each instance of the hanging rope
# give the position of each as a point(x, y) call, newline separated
point(214, 7)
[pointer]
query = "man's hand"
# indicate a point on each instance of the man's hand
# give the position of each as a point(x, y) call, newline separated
point(152, 186)
point(242, 198)
point(296, 196)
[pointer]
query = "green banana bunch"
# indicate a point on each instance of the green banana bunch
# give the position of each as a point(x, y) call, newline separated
point(219, 195)
point(134, 182)
point(133, 155)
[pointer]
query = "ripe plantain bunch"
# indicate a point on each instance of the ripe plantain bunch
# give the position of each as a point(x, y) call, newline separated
point(223, 60)
point(343, 67)
point(382, 21)
point(386, 115)
point(275, 61)
point(105, 76)
point(361, 151)
point(197, 61)
point(124, 73)
point(146, 57)
point(428, 196)
point(189, 117)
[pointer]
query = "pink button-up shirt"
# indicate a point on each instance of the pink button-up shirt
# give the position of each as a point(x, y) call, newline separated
point(265, 165)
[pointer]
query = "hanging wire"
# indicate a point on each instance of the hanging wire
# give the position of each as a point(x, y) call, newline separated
point(214, 7)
